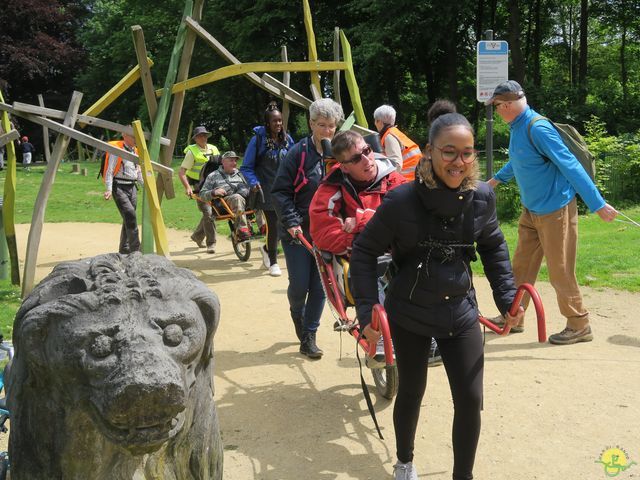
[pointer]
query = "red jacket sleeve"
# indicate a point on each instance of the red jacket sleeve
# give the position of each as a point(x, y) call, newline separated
point(326, 220)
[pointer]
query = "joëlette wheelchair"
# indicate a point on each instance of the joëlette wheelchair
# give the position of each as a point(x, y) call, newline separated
point(223, 212)
point(334, 275)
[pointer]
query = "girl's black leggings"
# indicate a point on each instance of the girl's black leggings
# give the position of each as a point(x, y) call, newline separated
point(463, 358)
point(272, 234)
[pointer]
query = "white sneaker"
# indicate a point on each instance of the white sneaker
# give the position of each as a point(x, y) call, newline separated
point(274, 270)
point(404, 471)
point(265, 257)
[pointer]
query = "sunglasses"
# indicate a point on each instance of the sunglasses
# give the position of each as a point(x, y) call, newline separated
point(366, 151)
point(450, 154)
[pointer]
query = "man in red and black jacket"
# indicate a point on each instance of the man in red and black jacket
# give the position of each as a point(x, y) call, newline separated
point(349, 195)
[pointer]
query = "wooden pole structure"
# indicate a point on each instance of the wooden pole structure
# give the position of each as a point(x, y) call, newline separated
point(37, 220)
point(9, 201)
point(45, 134)
point(286, 79)
point(21, 108)
point(316, 89)
point(252, 67)
point(163, 106)
point(166, 155)
point(352, 85)
point(336, 73)
point(114, 93)
point(269, 84)
point(151, 192)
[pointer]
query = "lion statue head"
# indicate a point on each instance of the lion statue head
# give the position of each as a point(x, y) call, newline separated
point(113, 374)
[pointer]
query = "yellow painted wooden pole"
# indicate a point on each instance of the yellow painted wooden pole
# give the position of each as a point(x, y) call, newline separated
point(118, 89)
point(352, 85)
point(9, 201)
point(151, 192)
point(313, 52)
point(244, 68)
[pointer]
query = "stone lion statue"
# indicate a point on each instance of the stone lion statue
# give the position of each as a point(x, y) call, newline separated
point(113, 374)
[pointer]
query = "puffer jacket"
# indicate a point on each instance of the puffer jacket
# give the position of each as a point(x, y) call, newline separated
point(292, 207)
point(260, 163)
point(337, 199)
point(432, 232)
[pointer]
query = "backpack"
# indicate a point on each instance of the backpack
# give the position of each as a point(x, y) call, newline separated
point(211, 166)
point(573, 141)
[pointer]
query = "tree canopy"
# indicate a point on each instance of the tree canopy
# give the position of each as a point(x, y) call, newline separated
point(575, 58)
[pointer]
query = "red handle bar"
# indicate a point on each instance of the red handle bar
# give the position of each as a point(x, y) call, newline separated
point(537, 302)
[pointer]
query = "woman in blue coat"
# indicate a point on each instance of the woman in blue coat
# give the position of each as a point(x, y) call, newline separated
point(264, 153)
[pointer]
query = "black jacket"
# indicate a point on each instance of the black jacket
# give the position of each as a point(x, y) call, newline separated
point(431, 292)
point(293, 207)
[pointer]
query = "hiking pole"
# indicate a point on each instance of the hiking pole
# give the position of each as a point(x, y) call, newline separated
point(630, 220)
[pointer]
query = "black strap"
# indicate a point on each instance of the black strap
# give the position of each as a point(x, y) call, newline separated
point(367, 395)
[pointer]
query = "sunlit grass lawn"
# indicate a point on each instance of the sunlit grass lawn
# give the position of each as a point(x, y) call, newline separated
point(608, 253)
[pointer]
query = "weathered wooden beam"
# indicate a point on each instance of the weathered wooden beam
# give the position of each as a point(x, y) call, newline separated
point(37, 219)
point(316, 89)
point(45, 134)
point(352, 85)
point(286, 79)
point(163, 107)
point(302, 101)
point(145, 71)
point(149, 94)
point(9, 137)
point(336, 73)
point(229, 57)
point(243, 68)
point(151, 192)
point(166, 154)
point(118, 89)
point(9, 201)
point(83, 137)
point(85, 119)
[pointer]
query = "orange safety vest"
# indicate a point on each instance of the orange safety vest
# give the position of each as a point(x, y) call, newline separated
point(119, 144)
point(411, 153)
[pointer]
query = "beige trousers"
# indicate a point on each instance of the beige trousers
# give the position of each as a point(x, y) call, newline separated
point(237, 204)
point(553, 236)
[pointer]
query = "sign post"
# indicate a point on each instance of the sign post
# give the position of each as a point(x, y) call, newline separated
point(492, 68)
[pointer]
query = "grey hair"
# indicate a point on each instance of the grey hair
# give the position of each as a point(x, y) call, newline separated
point(326, 108)
point(386, 114)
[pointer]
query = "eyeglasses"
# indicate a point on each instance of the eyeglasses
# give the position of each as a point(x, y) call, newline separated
point(449, 154)
point(366, 151)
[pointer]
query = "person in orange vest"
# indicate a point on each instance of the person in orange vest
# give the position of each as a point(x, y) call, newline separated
point(120, 178)
point(397, 147)
point(196, 156)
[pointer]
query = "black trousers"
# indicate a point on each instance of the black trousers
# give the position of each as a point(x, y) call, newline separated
point(272, 234)
point(126, 197)
point(463, 358)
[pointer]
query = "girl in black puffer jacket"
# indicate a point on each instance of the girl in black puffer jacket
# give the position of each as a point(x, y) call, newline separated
point(434, 227)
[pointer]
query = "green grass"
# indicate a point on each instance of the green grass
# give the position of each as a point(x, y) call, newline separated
point(608, 253)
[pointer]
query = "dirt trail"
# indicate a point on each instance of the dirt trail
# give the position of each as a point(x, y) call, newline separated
point(549, 411)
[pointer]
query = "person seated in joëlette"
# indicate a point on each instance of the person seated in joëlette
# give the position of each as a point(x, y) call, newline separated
point(351, 192)
point(227, 182)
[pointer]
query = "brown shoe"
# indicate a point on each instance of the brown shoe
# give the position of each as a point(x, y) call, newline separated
point(569, 336)
point(499, 322)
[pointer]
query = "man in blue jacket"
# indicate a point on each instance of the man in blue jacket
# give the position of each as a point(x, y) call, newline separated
point(549, 176)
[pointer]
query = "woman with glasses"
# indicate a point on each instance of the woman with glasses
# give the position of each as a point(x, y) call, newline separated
point(434, 227)
point(266, 149)
point(296, 181)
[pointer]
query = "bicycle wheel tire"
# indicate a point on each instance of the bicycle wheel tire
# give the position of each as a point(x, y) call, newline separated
point(242, 249)
point(386, 380)
point(4, 466)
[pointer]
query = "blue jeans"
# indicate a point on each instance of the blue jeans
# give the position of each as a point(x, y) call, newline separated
point(305, 294)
